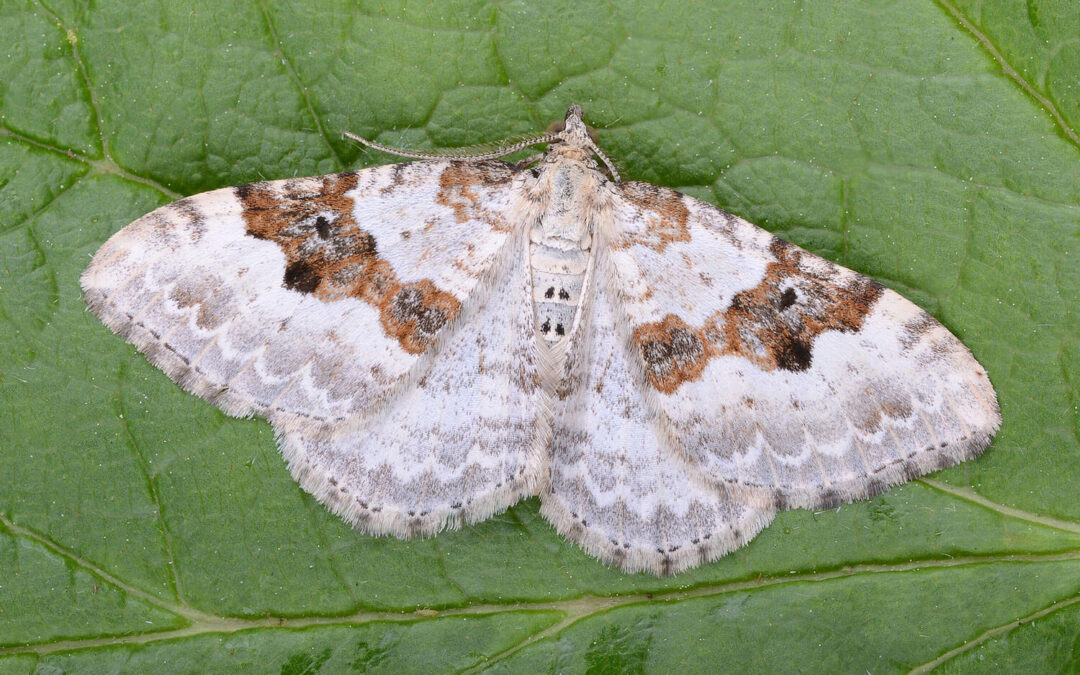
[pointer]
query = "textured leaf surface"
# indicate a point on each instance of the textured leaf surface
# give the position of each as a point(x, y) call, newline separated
point(933, 145)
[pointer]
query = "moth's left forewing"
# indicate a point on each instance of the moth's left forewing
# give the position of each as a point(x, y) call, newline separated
point(779, 372)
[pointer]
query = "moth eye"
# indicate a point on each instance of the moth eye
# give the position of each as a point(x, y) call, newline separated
point(556, 127)
point(550, 292)
point(563, 295)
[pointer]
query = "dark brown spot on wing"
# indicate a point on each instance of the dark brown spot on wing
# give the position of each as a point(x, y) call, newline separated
point(416, 312)
point(915, 328)
point(209, 293)
point(788, 298)
point(301, 276)
point(879, 402)
point(330, 256)
point(669, 211)
point(774, 324)
point(673, 352)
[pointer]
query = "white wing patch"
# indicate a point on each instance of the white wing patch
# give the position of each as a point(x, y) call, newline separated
point(433, 341)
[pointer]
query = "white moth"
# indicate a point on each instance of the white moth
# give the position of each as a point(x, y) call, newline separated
point(435, 340)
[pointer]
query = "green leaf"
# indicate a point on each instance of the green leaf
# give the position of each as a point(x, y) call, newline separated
point(933, 145)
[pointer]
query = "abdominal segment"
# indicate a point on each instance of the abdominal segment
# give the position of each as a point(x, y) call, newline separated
point(557, 276)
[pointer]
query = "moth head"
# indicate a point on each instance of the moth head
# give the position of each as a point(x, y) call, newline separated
point(572, 123)
point(573, 131)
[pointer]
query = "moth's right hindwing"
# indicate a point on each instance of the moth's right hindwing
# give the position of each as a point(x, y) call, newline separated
point(455, 446)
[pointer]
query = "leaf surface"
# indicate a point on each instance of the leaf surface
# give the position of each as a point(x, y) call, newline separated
point(932, 145)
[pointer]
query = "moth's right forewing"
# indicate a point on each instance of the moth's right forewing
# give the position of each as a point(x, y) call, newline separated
point(308, 299)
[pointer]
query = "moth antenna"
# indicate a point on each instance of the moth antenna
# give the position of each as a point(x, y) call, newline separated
point(608, 163)
point(474, 153)
point(531, 159)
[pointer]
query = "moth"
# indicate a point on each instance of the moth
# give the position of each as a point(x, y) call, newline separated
point(435, 340)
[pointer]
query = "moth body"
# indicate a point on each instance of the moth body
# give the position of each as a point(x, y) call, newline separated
point(560, 241)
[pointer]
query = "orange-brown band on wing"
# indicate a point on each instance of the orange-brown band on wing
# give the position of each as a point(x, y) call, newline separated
point(670, 215)
point(773, 325)
point(330, 256)
point(415, 314)
point(456, 192)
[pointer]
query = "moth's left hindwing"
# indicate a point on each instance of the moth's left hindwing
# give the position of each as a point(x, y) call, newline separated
point(779, 373)
point(316, 301)
point(616, 486)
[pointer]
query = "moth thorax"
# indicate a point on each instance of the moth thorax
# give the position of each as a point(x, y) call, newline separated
point(566, 153)
point(567, 215)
